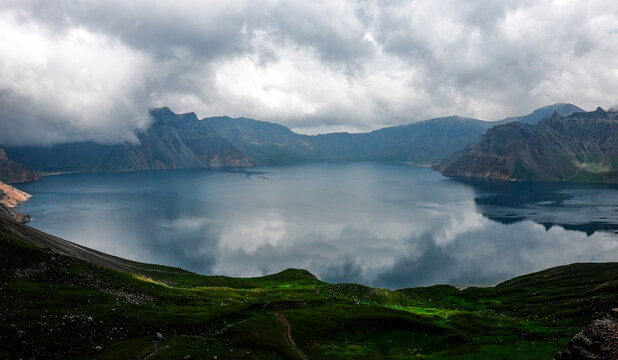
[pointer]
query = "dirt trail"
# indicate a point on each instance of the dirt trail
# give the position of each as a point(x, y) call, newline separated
point(156, 348)
point(288, 336)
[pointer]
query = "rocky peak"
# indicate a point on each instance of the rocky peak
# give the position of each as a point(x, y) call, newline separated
point(3, 156)
point(599, 113)
point(162, 111)
point(165, 116)
point(555, 115)
point(190, 116)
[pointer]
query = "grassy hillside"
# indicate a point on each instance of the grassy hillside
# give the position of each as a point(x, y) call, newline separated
point(53, 305)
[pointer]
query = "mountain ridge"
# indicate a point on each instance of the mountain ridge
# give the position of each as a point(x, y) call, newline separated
point(580, 147)
point(184, 141)
point(423, 142)
point(543, 113)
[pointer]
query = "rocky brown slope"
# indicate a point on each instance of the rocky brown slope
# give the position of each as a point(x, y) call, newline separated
point(579, 147)
point(9, 198)
point(11, 171)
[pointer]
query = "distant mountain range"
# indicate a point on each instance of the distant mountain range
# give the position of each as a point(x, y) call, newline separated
point(183, 141)
point(580, 147)
point(423, 142)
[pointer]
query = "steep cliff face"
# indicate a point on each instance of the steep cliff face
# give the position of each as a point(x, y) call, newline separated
point(11, 171)
point(176, 141)
point(172, 141)
point(579, 147)
point(9, 198)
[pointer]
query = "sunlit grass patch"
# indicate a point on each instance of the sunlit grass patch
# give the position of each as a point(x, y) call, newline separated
point(147, 279)
point(442, 313)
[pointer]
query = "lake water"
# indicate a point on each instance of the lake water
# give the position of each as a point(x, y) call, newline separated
point(382, 224)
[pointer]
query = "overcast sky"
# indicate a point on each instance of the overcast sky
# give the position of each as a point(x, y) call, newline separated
point(79, 70)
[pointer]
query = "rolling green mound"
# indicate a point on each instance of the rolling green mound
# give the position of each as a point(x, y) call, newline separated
point(61, 300)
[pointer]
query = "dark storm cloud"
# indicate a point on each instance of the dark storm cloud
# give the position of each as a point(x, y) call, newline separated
point(92, 69)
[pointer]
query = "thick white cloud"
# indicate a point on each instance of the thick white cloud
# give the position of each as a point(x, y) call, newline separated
point(91, 69)
point(68, 85)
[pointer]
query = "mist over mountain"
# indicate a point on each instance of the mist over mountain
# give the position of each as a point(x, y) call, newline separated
point(171, 141)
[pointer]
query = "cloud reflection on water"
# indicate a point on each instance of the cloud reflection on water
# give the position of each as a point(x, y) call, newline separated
point(387, 225)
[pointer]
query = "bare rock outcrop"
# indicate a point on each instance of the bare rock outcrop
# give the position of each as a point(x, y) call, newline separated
point(597, 341)
point(9, 198)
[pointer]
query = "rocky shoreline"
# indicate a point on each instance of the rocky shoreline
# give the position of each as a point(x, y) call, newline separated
point(11, 197)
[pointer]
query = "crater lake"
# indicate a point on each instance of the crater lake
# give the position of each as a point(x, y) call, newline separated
point(382, 224)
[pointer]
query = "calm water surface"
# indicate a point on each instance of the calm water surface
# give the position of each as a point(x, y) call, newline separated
point(381, 224)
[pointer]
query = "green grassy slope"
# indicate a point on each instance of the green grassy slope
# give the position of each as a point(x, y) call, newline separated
point(59, 306)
